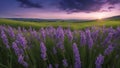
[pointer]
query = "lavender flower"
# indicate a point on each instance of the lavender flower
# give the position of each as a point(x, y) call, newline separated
point(50, 66)
point(51, 32)
point(65, 64)
point(111, 30)
point(69, 34)
point(99, 61)
point(21, 61)
point(108, 50)
point(43, 34)
point(17, 50)
point(108, 38)
point(95, 35)
point(116, 34)
point(60, 45)
point(76, 56)
point(90, 40)
point(35, 34)
point(5, 39)
point(21, 40)
point(82, 38)
point(43, 51)
point(11, 32)
point(60, 34)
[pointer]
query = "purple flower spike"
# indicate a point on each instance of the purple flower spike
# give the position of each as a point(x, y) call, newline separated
point(69, 34)
point(60, 34)
point(108, 50)
point(95, 35)
point(82, 38)
point(108, 38)
point(99, 61)
point(11, 32)
point(5, 39)
point(60, 45)
point(50, 66)
point(17, 50)
point(65, 64)
point(90, 40)
point(21, 61)
point(21, 40)
point(76, 56)
point(43, 33)
point(43, 51)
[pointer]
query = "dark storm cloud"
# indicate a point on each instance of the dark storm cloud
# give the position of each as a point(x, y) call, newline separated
point(71, 5)
point(111, 7)
point(104, 10)
point(85, 5)
point(29, 4)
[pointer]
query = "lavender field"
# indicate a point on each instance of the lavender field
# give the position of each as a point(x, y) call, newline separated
point(59, 48)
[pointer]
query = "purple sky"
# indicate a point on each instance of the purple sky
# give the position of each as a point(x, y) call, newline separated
point(59, 9)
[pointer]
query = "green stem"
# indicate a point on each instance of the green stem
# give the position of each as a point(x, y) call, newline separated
point(10, 63)
point(3, 66)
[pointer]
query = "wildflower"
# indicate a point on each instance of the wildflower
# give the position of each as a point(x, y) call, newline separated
point(95, 35)
point(11, 32)
point(99, 61)
point(76, 56)
point(5, 39)
point(108, 50)
point(90, 40)
point(65, 64)
point(108, 38)
point(50, 66)
point(69, 34)
point(43, 34)
point(21, 61)
point(43, 51)
point(82, 38)
point(60, 34)
point(21, 40)
point(50, 31)
point(17, 50)
point(60, 45)
point(111, 30)
point(35, 34)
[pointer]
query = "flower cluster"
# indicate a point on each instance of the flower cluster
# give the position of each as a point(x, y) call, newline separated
point(59, 48)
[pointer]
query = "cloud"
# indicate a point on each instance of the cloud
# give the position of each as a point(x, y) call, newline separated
point(113, 1)
point(28, 4)
point(71, 6)
point(104, 10)
point(111, 7)
point(85, 5)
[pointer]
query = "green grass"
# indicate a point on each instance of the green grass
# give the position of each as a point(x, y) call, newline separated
point(81, 25)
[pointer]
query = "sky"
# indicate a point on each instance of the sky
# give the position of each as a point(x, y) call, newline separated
point(59, 9)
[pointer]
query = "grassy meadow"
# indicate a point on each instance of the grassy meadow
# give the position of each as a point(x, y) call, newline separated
point(29, 45)
point(72, 25)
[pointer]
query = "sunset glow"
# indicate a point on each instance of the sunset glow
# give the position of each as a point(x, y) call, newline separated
point(51, 10)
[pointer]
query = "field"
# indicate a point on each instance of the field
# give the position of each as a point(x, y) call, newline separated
point(72, 25)
point(91, 44)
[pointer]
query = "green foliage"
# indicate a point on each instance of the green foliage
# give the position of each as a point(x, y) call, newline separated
point(72, 25)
